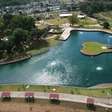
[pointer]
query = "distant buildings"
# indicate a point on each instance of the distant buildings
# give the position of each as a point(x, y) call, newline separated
point(40, 6)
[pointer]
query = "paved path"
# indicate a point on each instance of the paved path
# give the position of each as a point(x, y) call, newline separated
point(104, 102)
point(65, 35)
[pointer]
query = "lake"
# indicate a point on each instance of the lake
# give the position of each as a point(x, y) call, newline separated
point(64, 64)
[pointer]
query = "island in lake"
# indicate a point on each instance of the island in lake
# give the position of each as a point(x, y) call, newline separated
point(95, 48)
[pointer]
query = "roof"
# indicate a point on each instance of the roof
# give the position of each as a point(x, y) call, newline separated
point(54, 96)
point(65, 15)
point(5, 94)
point(90, 100)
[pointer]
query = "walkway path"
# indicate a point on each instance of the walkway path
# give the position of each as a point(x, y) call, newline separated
point(104, 102)
point(65, 35)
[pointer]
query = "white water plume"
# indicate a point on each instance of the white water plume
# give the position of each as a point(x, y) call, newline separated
point(99, 68)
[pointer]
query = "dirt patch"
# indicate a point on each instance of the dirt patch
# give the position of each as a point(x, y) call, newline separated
point(19, 105)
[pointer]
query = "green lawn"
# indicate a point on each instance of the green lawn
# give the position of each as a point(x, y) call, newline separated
point(61, 89)
point(57, 21)
point(38, 51)
point(94, 48)
point(106, 16)
point(88, 21)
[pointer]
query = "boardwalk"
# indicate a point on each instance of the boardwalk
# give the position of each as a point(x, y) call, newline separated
point(103, 102)
point(65, 35)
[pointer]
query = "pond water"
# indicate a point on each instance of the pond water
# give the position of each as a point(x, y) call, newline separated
point(64, 64)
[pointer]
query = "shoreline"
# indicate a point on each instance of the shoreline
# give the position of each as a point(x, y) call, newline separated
point(100, 85)
point(103, 85)
point(94, 30)
point(30, 55)
point(66, 34)
point(86, 53)
point(16, 60)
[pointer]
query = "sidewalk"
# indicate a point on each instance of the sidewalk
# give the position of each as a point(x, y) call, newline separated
point(103, 102)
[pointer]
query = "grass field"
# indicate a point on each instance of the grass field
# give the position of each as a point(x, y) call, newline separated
point(106, 16)
point(103, 92)
point(88, 21)
point(57, 21)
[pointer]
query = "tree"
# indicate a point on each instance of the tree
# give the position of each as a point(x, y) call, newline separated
point(1, 45)
point(73, 19)
point(106, 25)
point(94, 6)
point(29, 23)
point(7, 19)
point(13, 2)
point(20, 35)
point(16, 32)
point(8, 32)
point(2, 25)
point(6, 45)
point(24, 22)
point(20, 38)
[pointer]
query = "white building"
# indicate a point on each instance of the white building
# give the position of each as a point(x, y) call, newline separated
point(81, 16)
point(65, 15)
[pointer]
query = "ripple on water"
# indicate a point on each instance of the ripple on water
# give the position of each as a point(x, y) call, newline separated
point(56, 72)
point(46, 78)
point(50, 74)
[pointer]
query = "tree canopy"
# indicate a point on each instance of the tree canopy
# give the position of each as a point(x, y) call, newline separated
point(17, 31)
point(94, 6)
point(15, 2)
point(73, 19)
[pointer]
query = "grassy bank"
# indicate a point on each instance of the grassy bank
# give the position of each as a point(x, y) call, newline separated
point(103, 92)
point(44, 48)
point(38, 51)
